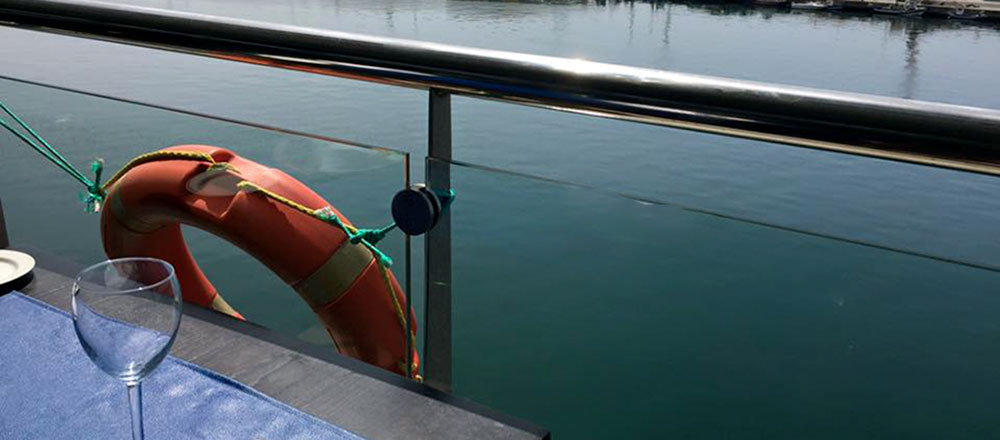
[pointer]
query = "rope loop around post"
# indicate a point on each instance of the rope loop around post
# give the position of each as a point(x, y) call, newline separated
point(94, 197)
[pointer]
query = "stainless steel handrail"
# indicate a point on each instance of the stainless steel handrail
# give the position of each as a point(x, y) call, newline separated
point(913, 131)
point(942, 135)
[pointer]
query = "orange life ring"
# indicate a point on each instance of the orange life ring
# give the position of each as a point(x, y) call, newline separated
point(342, 282)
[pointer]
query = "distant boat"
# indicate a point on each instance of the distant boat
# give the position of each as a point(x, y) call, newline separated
point(904, 11)
point(771, 3)
point(854, 6)
point(966, 14)
point(811, 5)
point(938, 10)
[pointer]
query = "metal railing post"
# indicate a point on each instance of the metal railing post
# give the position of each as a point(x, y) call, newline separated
point(4, 241)
point(437, 249)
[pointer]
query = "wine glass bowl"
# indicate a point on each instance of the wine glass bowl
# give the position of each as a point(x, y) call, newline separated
point(126, 313)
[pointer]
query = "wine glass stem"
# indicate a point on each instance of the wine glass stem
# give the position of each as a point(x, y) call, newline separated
point(135, 402)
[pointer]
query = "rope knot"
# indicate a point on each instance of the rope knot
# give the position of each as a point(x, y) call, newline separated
point(372, 236)
point(327, 215)
point(357, 236)
point(94, 196)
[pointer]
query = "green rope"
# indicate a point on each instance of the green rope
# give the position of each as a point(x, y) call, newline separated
point(447, 198)
point(94, 196)
point(372, 236)
point(49, 152)
point(327, 215)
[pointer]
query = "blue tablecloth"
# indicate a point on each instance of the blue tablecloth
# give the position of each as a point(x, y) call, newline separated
point(50, 390)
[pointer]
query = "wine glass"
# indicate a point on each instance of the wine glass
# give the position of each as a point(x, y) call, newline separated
point(126, 313)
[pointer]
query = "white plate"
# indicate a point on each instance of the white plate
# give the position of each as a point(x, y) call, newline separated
point(14, 265)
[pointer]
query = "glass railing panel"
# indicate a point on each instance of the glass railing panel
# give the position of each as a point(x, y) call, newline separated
point(919, 208)
point(43, 212)
point(602, 316)
point(346, 109)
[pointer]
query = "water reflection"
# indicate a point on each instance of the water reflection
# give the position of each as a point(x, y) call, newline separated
point(724, 7)
point(666, 26)
point(906, 32)
point(912, 33)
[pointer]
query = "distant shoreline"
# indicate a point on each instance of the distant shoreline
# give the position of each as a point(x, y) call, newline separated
point(981, 11)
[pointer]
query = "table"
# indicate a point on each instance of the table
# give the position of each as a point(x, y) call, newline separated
point(51, 390)
point(362, 399)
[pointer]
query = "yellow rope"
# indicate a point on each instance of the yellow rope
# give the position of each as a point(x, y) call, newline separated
point(250, 186)
point(157, 156)
point(400, 315)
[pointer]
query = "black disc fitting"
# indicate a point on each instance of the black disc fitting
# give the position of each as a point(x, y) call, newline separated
point(418, 208)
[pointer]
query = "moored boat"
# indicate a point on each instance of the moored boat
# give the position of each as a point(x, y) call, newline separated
point(966, 14)
point(855, 6)
point(902, 11)
point(771, 3)
point(810, 5)
point(937, 10)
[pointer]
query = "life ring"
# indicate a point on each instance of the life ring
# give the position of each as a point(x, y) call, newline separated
point(358, 301)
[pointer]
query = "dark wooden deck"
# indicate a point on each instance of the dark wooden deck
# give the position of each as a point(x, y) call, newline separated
point(365, 400)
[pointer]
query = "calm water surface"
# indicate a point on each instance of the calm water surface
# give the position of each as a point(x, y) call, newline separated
point(591, 314)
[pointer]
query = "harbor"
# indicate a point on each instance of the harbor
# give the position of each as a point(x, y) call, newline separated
point(692, 220)
point(985, 11)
